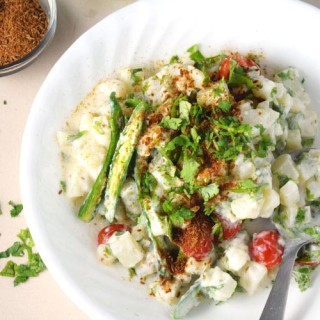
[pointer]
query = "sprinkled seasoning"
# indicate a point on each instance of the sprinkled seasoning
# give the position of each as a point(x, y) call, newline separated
point(23, 24)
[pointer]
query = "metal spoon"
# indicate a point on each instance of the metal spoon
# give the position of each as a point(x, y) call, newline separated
point(276, 303)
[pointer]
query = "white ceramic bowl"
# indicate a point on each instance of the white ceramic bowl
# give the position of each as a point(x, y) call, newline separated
point(285, 31)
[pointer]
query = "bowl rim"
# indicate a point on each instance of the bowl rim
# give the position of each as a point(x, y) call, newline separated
point(30, 57)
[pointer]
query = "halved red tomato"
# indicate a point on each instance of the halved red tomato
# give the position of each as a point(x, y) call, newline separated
point(106, 233)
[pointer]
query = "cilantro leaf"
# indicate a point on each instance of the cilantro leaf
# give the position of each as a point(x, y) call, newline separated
point(195, 136)
point(16, 209)
point(171, 123)
point(238, 76)
point(195, 54)
point(189, 170)
point(180, 215)
point(302, 276)
point(167, 206)
point(184, 110)
point(224, 105)
point(16, 250)
point(209, 191)
point(179, 141)
point(9, 269)
point(25, 236)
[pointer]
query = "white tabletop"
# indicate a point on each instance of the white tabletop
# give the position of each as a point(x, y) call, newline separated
point(38, 298)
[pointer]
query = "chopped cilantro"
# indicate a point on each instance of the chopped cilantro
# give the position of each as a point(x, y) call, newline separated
point(224, 105)
point(16, 209)
point(73, 137)
point(16, 250)
point(179, 141)
point(174, 59)
point(194, 134)
point(302, 276)
point(285, 75)
point(217, 229)
point(184, 110)
point(307, 142)
point(171, 123)
point(273, 92)
point(9, 269)
point(282, 180)
point(22, 272)
point(219, 89)
point(247, 186)
point(228, 138)
point(197, 113)
point(277, 107)
point(201, 62)
point(313, 232)
point(189, 169)
point(167, 206)
point(300, 217)
point(209, 191)
point(63, 186)
point(263, 146)
point(180, 215)
point(238, 77)
point(134, 77)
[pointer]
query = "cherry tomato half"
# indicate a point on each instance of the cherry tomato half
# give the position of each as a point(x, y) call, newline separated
point(225, 65)
point(106, 233)
point(229, 229)
point(266, 249)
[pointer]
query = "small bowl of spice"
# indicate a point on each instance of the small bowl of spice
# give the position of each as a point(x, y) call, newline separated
point(26, 29)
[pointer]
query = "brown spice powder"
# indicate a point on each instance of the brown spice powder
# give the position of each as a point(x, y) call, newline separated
point(23, 24)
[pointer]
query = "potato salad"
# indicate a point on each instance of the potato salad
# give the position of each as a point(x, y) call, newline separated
point(179, 160)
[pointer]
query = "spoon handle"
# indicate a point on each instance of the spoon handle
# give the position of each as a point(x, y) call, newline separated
point(276, 303)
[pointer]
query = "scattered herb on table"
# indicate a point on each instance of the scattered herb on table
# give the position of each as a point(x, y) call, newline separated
point(16, 209)
point(22, 272)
